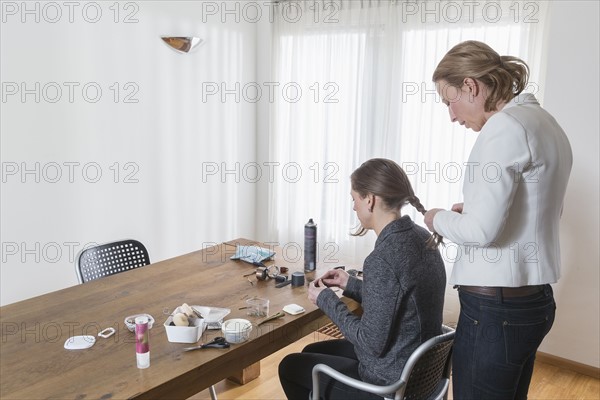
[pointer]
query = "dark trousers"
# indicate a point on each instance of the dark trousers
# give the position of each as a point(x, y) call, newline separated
point(295, 371)
point(495, 344)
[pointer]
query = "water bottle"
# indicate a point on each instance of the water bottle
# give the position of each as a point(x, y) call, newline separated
point(310, 246)
point(142, 342)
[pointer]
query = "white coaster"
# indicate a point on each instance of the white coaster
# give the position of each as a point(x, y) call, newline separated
point(293, 309)
point(79, 342)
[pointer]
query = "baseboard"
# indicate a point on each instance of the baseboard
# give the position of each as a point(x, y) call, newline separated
point(583, 369)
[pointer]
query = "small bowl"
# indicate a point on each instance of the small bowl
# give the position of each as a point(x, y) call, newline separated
point(236, 330)
point(130, 321)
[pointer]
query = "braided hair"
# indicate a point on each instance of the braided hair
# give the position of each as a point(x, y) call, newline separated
point(386, 180)
point(436, 238)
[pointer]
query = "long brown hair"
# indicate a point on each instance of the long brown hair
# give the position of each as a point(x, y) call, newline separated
point(504, 76)
point(385, 179)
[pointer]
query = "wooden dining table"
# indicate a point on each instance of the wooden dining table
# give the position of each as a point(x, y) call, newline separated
point(35, 364)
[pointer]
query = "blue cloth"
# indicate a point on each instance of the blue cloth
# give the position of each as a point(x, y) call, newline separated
point(495, 344)
point(252, 254)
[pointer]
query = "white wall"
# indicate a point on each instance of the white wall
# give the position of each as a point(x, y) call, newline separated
point(571, 95)
point(161, 143)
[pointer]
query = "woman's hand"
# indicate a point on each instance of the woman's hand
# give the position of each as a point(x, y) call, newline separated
point(314, 289)
point(429, 216)
point(458, 207)
point(335, 277)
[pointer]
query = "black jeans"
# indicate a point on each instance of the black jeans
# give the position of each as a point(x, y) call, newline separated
point(495, 344)
point(295, 371)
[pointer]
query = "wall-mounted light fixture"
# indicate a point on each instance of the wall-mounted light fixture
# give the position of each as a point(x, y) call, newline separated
point(182, 44)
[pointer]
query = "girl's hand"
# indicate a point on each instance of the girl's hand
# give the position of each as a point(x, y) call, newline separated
point(314, 289)
point(335, 277)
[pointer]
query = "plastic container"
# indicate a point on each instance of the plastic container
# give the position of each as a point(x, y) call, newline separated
point(258, 307)
point(236, 330)
point(184, 334)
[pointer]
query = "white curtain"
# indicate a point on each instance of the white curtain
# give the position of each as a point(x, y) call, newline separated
point(361, 78)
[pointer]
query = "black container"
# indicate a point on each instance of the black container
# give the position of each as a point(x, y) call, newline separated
point(310, 246)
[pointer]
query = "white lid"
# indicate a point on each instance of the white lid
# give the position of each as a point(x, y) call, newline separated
point(142, 319)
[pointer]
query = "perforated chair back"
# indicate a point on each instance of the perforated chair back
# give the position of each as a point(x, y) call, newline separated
point(431, 369)
point(109, 259)
point(426, 374)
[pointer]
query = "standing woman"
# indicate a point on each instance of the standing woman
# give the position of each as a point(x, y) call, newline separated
point(402, 293)
point(507, 228)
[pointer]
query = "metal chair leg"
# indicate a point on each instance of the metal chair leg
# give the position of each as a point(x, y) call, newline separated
point(213, 392)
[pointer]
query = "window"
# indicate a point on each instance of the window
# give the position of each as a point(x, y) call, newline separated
point(358, 80)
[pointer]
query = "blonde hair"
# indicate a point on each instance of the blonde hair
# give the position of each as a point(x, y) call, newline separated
point(384, 178)
point(504, 76)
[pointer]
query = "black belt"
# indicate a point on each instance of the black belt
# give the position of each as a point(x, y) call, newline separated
point(504, 291)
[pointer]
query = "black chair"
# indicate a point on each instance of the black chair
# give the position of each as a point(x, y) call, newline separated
point(109, 259)
point(426, 374)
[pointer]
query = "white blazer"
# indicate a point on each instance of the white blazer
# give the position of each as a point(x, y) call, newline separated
point(515, 183)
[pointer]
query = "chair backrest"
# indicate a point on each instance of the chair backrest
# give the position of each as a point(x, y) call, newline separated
point(426, 374)
point(428, 367)
point(109, 259)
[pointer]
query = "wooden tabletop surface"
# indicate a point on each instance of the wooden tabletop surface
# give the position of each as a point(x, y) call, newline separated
point(34, 363)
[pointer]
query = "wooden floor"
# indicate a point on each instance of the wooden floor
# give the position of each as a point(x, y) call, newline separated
point(548, 382)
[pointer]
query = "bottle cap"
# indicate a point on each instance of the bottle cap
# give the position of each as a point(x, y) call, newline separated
point(142, 319)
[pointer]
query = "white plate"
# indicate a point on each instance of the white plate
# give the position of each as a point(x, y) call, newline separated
point(293, 309)
point(213, 316)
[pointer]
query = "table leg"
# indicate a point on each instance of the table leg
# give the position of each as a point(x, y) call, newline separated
point(247, 374)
